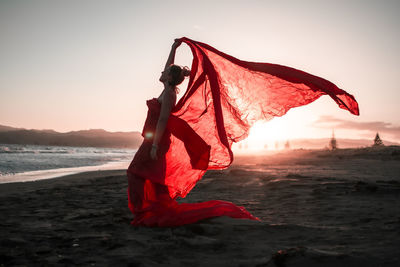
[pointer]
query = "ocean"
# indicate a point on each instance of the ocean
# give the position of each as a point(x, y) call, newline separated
point(19, 163)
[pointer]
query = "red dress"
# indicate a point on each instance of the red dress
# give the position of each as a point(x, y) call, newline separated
point(148, 195)
point(224, 98)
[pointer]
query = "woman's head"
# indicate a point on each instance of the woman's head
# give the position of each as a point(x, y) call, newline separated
point(174, 75)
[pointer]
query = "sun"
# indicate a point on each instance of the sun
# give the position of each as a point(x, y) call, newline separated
point(297, 124)
point(264, 135)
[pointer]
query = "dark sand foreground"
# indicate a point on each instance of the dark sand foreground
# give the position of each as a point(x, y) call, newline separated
point(317, 208)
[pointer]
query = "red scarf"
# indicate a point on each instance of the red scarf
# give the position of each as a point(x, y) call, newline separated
point(224, 98)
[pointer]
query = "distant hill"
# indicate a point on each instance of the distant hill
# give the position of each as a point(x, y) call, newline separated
point(8, 128)
point(92, 138)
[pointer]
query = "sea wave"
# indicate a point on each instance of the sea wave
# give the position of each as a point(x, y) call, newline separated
point(16, 159)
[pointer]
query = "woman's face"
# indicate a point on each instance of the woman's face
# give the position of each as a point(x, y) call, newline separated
point(165, 77)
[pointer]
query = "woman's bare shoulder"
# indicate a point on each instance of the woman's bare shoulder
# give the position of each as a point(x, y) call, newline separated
point(168, 97)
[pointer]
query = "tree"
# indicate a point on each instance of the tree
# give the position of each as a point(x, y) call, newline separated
point(333, 142)
point(287, 145)
point(377, 140)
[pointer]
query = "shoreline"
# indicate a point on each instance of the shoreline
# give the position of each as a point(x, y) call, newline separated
point(74, 179)
point(384, 153)
point(31, 176)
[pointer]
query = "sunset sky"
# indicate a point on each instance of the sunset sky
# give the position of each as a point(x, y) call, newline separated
point(73, 65)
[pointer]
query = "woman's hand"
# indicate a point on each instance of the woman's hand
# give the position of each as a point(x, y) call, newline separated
point(153, 152)
point(176, 44)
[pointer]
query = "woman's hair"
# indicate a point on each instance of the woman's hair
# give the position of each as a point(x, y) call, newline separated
point(178, 74)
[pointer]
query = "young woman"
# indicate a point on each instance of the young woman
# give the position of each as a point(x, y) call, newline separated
point(149, 197)
point(225, 96)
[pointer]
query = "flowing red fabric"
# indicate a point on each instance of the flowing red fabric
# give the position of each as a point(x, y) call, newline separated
point(224, 98)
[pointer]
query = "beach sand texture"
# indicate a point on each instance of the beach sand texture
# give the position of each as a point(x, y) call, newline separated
point(318, 208)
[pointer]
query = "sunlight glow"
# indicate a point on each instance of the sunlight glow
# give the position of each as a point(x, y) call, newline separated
point(264, 135)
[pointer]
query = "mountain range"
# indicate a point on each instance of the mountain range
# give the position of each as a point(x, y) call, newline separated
point(102, 138)
point(84, 138)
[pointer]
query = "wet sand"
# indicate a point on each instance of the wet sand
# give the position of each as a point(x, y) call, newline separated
point(317, 208)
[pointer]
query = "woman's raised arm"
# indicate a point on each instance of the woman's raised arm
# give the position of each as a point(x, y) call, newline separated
point(171, 57)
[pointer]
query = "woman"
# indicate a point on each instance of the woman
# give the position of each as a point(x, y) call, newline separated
point(148, 196)
point(171, 77)
point(225, 96)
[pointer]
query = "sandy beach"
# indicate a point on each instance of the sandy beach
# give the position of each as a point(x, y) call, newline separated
point(317, 208)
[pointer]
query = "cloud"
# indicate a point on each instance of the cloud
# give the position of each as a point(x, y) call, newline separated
point(372, 126)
